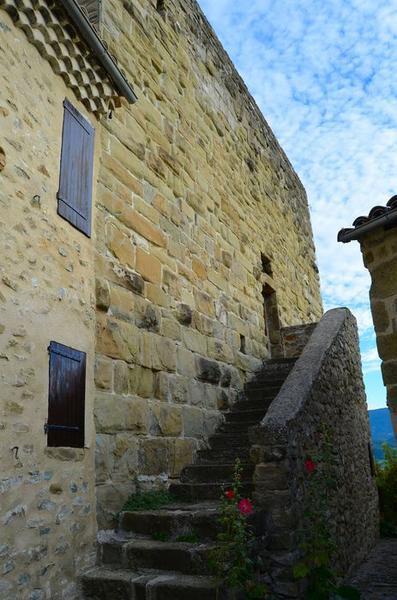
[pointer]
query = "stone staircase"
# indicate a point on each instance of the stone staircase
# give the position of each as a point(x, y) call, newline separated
point(134, 565)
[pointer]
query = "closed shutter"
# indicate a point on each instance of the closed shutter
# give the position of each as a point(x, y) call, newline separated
point(77, 159)
point(66, 397)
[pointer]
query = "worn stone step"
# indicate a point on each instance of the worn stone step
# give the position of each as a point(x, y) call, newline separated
point(225, 456)
point(201, 519)
point(184, 587)
point(237, 427)
point(225, 441)
point(269, 386)
point(275, 369)
point(106, 584)
point(260, 395)
point(254, 404)
point(219, 473)
point(194, 492)
point(142, 553)
point(168, 556)
point(103, 583)
point(244, 416)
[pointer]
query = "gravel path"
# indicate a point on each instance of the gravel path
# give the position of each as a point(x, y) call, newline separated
point(376, 578)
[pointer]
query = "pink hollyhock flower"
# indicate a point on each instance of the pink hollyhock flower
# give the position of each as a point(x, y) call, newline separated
point(310, 465)
point(245, 506)
point(230, 494)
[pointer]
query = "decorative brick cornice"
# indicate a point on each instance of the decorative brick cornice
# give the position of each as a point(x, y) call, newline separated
point(50, 30)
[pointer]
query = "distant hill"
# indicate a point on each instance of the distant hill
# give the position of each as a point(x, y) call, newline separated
point(381, 430)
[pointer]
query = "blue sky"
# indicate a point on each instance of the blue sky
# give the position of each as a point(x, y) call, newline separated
point(323, 73)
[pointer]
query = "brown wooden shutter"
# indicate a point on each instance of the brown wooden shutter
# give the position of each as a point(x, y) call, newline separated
point(77, 160)
point(66, 397)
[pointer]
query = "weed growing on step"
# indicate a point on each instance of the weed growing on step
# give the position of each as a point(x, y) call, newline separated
point(161, 536)
point(386, 478)
point(231, 560)
point(317, 546)
point(191, 538)
point(148, 501)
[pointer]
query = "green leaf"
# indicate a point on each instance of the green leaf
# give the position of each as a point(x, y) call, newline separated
point(300, 571)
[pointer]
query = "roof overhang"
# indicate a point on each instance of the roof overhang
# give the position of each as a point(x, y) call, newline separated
point(379, 216)
point(97, 47)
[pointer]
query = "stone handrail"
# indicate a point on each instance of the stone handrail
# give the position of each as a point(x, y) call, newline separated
point(322, 397)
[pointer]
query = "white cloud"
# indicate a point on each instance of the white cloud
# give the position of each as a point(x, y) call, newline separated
point(370, 361)
point(322, 73)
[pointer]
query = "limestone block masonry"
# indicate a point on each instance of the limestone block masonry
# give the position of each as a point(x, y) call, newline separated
point(195, 200)
point(379, 250)
point(47, 495)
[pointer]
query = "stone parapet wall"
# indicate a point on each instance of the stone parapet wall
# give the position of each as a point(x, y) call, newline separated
point(321, 401)
point(193, 190)
point(379, 250)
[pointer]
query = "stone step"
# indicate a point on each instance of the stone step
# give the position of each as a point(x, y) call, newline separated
point(221, 440)
point(200, 519)
point(254, 404)
point(219, 473)
point(226, 456)
point(244, 416)
point(195, 492)
point(237, 427)
point(269, 386)
point(139, 554)
point(260, 394)
point(106, 584)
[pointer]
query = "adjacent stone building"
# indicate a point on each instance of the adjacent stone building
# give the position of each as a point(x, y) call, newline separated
point(53, 87)
point(155, 240)
point(377, 236)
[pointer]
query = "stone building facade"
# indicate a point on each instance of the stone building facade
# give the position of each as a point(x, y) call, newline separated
point(200, 250)
point(201, 221)
point(377, 235)
point(47, 294)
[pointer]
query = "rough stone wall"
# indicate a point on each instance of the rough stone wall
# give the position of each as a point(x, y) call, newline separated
point(47, 498)
point(295, 338)
point(379, 250)
point(322, 399)
point(193, 187)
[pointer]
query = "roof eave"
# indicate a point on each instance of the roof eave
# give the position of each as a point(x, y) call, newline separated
point(91, 38)
point(387, 220)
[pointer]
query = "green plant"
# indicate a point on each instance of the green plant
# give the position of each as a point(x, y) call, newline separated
point(231, 560)
point(386, 478)
point(191, 537)
point(148, 501)
point(317, 546)
point(161, 536)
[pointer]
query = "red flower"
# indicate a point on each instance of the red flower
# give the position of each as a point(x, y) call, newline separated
point(245, 506)
point(230, 494)
point(310, 465)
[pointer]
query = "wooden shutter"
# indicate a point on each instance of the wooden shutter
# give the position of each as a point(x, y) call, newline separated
point(77, 160)
point(66, 397)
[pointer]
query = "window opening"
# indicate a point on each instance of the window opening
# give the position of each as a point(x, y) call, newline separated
point(266, 265)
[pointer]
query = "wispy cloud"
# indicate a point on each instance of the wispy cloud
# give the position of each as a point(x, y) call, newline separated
point(322, 73)
point(370, 360)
